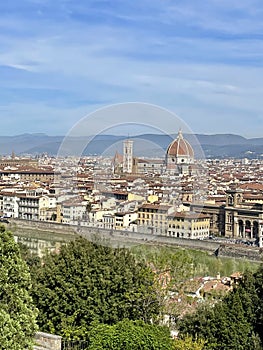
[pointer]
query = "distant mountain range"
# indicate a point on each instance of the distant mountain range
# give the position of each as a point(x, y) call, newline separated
point(213, 146)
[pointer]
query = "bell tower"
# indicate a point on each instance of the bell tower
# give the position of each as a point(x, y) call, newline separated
point(234, 198)
point(127, 156)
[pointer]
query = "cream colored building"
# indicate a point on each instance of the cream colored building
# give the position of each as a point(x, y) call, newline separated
point(187, 224)
point(47, 208)
point(123, 220)
point(28, 174)
point(73, 210)
point(152, 218)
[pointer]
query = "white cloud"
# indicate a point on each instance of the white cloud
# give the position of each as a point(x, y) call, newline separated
point(174, 65)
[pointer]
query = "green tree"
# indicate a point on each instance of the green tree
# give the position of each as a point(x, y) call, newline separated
point(29, 257)
point(89, 282)
point(130, 335)
point(199, 324)
point(234, 322)
point(232, 329)
point(188, 343)
point(17, 312)
point(178, 263)
point(256, 294)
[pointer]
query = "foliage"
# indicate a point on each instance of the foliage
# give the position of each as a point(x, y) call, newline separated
point(188, 343)
point(185, 263)
point(256, 295)
point(176, 270)
point(178, 262)
point(89, 282)
point(29, 257)
point(234, 323)
point(17, 312)
point(130, 335)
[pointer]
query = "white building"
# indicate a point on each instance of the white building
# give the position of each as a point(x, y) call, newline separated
point(28, 207)
point(123, 220)
point(10, 205)
point(73, 210)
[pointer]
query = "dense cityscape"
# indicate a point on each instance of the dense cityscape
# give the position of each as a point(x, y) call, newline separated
point(214, 202)
point(131, 175)
point(177, 196)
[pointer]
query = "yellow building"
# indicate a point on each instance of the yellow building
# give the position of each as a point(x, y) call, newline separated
point(152, 218)
point(187, 224)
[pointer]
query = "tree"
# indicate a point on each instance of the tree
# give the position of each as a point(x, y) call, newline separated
point(130, 335)
point(17, 312)
point(29, 257)
point(198, 324)
point(232, 329)
point(233, 323)
point(89, 282)
point(188, 343)
point(256, 294)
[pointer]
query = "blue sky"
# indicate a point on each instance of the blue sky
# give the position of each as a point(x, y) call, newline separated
point(63, 59)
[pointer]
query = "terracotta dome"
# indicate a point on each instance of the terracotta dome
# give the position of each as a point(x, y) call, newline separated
point(180, 148)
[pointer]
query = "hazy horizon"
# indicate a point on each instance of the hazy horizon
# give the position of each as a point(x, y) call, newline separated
point(131, 135)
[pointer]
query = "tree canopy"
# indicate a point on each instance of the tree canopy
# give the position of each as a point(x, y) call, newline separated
point(137, 335)
point(17, 311)
point(233, 323)
point(188, 343)
point(89, 282)
point(130, 335)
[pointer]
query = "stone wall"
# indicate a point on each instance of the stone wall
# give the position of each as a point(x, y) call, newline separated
point(43, 225)
point(234, 251)
point(147, 238)
point(45, 341)
point(126, 238)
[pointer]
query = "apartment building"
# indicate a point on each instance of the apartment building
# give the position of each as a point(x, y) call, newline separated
point(188, 224)
point(28, 205)
point(152, 218)
point(73, 210)
point(10, 207)
point(123, 220)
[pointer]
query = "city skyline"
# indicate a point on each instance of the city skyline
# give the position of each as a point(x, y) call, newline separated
point(62, 61)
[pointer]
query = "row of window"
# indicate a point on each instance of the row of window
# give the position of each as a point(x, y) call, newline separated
point(187, 235)
point(156, 223)
point(149, 216)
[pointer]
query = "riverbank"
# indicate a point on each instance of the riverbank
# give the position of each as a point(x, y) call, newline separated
point(40, 235)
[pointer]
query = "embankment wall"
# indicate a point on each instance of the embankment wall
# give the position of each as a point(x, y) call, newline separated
point(127, 237)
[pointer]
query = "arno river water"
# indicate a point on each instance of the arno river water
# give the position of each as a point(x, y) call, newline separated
point(40, 241)
point(41, 236)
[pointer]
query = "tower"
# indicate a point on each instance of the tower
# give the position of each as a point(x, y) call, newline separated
point(127, 156)
point(234, 197)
